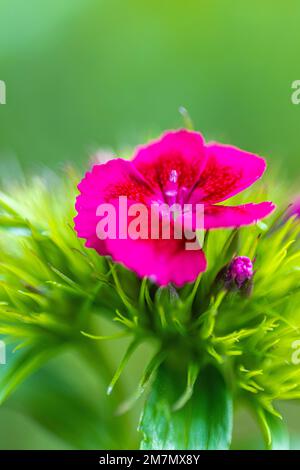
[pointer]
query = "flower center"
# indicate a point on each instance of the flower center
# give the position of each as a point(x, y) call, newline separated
point(174, 194)
point(171, 188)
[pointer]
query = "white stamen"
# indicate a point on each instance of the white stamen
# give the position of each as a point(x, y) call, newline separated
point(173, 176)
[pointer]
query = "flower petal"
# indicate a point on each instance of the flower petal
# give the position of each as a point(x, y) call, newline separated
point(235, 216)
point(180, 151)
point(228, 171)
point(164, 261)
point(104, 184)
point(115, 178)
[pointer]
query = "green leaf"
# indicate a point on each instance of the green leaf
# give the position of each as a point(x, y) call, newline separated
point(205, 422)
point(122, 365)
point(274, 430)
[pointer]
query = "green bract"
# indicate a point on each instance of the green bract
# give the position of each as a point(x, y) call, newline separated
point(213, 347)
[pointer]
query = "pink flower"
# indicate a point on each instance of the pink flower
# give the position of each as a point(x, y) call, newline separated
point(178, 168)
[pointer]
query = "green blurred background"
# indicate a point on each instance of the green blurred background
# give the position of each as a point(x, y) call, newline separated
point(84, 75)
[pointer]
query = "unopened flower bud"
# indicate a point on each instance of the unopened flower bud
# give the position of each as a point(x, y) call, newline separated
point(237, 275)
point(239, 271)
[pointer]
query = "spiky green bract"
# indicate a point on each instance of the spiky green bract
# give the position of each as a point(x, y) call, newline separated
point(49, 284)
point(52, 289)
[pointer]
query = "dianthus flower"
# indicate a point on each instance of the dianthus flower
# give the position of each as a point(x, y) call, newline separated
point(179, 168)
